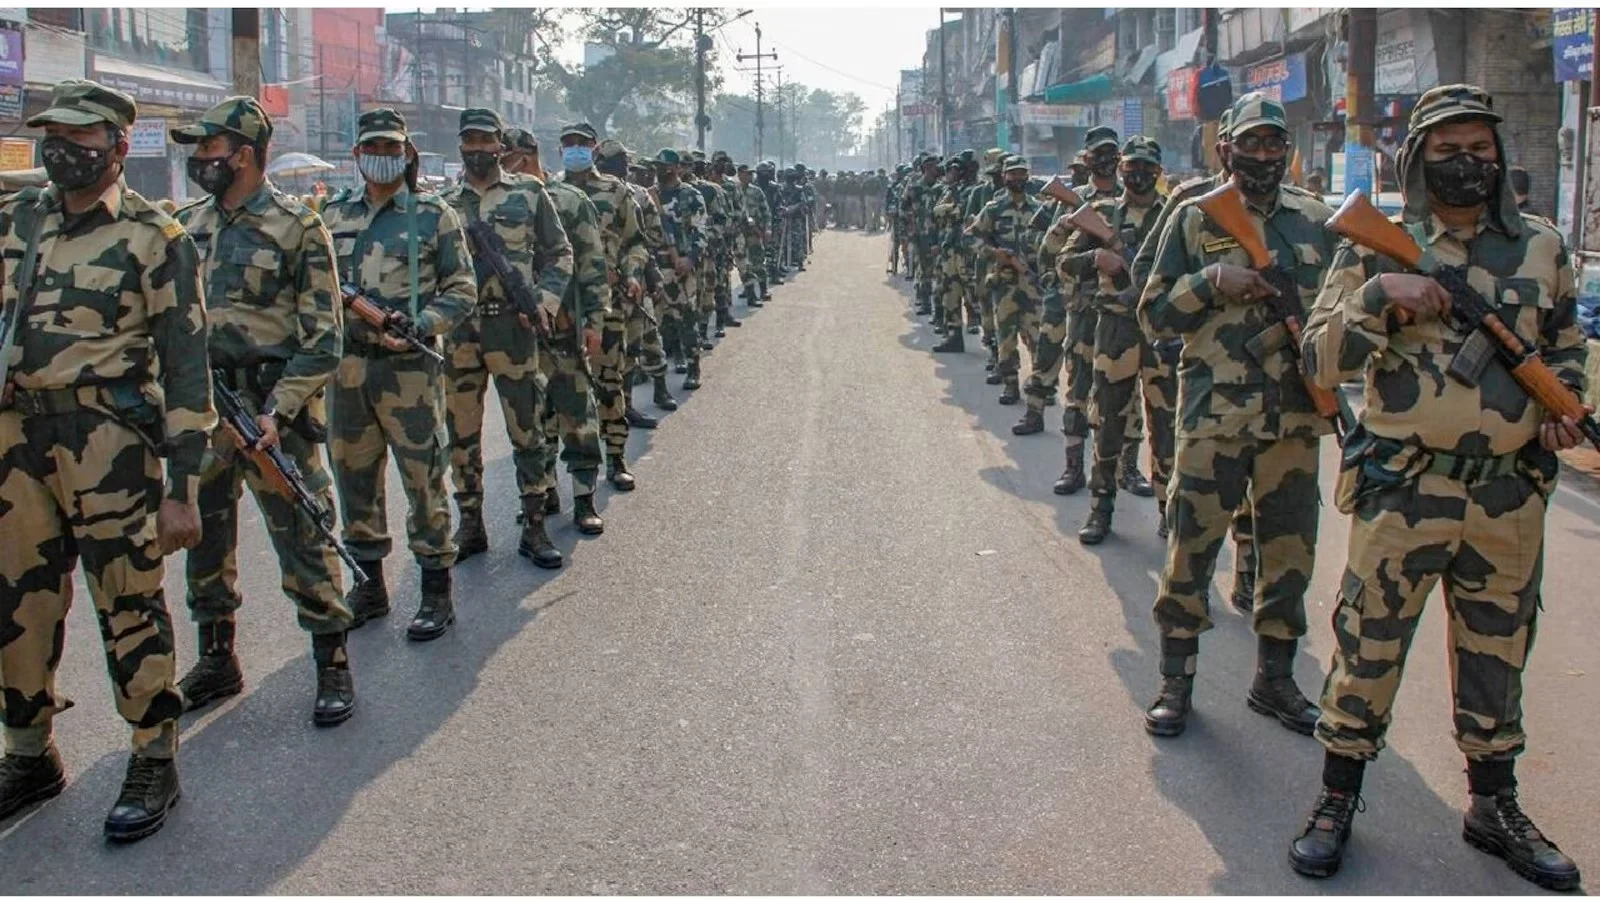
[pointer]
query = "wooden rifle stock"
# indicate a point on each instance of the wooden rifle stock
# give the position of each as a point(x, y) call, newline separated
point(1057, 190)
point(1088, 220)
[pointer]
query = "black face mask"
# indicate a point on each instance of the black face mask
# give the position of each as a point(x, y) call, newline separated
point(1080, 177)
point(72, 166)
point(1104, 165)
point(1016, 187)
point(1259, 177)
point(1139, 182)
point(213, 175)
point(479, 163)
point(1462, 180)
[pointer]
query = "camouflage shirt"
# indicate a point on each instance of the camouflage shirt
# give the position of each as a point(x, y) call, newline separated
point(755, 205)
point(1409, 396)
point(1237, 376)
point(1051, 221)
point(716, 211)
point(519, 210)
point(1118, 294)
point(649, 219)
point(618, 215)
point(916, 201)
point(588, 292)
point(117, 299)
point(1145, 259)
point(683, 213)
point(271, 292)
point(373, 253)
point(1004, 224)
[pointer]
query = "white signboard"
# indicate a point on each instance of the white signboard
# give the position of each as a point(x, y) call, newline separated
point(148, 138)
point(1055, 115)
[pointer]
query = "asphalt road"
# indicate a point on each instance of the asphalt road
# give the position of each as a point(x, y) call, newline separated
point(841, 640)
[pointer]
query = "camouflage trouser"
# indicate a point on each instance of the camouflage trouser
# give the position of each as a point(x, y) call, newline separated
point(1486, 541)
point(71, 486)
point(391, 404)
point(1124, 362)
point(609, 401)
point(515, 368)
point(309, 567)
point(981, 286)
point(955, 290)
point(750, 268)
point(705, 301)
point(722, 294)
point(1046, 373)
point(680, 317)
point(1277, 479)
point(1016, 313)
point(1160, 384)
point(568, 415)
point(645, 352)
point(874, 213)
point(926, 268)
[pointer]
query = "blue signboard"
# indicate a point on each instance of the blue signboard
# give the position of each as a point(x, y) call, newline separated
point(1282, 79)
point(1132, 116)
point(1357, 169)
point(1572, 43)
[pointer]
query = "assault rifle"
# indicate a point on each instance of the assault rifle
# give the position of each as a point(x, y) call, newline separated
point(490, 259)
point(1057, 190)
point(1088, 220)
point(1225, 206)
point(281, 474)
point(393, 323)
point(1358, 221)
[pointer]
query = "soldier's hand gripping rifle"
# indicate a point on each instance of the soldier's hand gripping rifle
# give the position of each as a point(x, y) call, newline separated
point(490, 259)
point(1359, 222)
point(1019, 265)
point(1059, 191)
point(391, 323)
point(281, 474)
point(1225, 206)
point(1087, 219)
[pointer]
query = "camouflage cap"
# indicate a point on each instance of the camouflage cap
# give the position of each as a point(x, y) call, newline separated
point(992, 159)
point(581, 129)
point(668, 157)
point(1255, 110)
point(1080, 161)
point(384, 123)
point(79, 102)
point(478, 118)
point(610, 147)
point(1143, 149)
point(1014, 163)
point(697, 155)
point(720, 155)
point(1225, 124)
point(519, 140)
point(1452, 102)
point(242, 116)
point(1099, 136)
point(741, 167)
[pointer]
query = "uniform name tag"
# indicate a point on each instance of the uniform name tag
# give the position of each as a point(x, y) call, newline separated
point(1220, 245)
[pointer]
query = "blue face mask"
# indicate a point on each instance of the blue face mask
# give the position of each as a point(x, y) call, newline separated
point(576, 159)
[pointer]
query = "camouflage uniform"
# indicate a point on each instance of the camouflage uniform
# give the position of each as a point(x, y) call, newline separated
point(1444, 481)
point(916, 202)
point(646, 354)
point(733, 237)
point(951, 285)
point(1247, 431)
point(276, 338)
point(1004, 224)
point(981, 194)
point(494, 341)
point(683, 216)
point(387, 402)
point(709, 277)
point(104, 379)
point(753, 266)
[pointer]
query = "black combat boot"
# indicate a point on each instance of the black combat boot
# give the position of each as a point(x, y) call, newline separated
point(691, 381)
point(585, 517)
point(663, 398)
point(26, 780)
point(1496, 824)
point(705, 336)
point(995, 376)
point(636, 419)
point(1319, 849)
point(336, 689)
point(619, 476)
point(437, 612)
point(954, 342)
point(1095, 530)
point(938, 325)
point(471, 537)
point(149, 790)
point(725, 318)
point(672, 345)
point(552, 502)
point(993, 361)
point(1163, 529)
point(1010, 393)
point(369, 600)
point(1169, 713)
point(536, 545)
point(1032, 422)
point(1274, 692)
point(1072, 479)
point(924, 306)
point(216, 673)
point(1244, 590)
point(1133, 480)
point(1050, 399)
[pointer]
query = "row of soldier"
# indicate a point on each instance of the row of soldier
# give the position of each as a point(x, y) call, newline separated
point(853, 199)
point(1193, 301)
point(372, 328)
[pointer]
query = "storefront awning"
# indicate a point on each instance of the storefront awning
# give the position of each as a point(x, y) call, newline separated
point(1141, 66)
point(1089, 90)
point(163, 86)
point(1179, 56)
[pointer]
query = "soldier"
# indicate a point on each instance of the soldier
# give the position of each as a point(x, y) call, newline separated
point(982, 192)
point(716, 224)
point(717, 172)
point(98, 377)
point(891, 211)
point(753, 266)
point(1165, 383)
point(917, 202)
point(1124, 360)
point(876, 185)
point(683, 213)
point(1446, 477)
point(276, 338)
point(956, 260)
point(793, 199)
point(766, 180)
point(498, 340)
point(826, 199)
point(645, 354)
point(405, 252)
point(1247, 430)
point(1001, 232)
point(625, 253)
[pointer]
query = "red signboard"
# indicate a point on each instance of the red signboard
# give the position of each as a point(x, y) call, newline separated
point(1183, 88)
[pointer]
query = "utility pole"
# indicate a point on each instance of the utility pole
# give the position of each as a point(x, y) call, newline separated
point(1011, 79)
point(944, 101)
point(780, 118)
point(758, 56)
point(702, 43)
point(247, 51)
point(899, 129)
